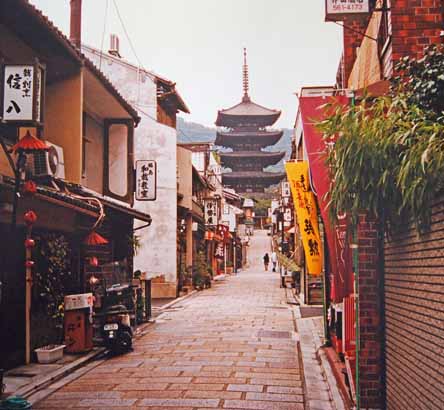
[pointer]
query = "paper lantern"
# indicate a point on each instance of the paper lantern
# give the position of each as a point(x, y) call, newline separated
point(95, 239)
point(29, 243)
point(93, 261)
point(30, 187)
point(30, 218)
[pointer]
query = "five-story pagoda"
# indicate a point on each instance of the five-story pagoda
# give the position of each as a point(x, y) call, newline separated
point(244, 130)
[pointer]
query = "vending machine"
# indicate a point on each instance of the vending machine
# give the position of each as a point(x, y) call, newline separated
point(78, 323)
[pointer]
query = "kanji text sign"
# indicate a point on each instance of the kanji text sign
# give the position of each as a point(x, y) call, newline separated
point(307, 215)
point(285, 189)
point(19, 97)
point(210, 212)
point(336, 9)
point(146, 180)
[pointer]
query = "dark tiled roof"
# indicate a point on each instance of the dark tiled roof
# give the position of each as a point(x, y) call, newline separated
point(32, 12)
point(47, 192)
point(266, 176)
point(246, 109)
point(252, 154)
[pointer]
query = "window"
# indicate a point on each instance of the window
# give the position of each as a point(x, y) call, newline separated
point(118, 166)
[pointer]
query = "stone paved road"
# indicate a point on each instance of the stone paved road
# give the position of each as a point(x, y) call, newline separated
point(231, 347)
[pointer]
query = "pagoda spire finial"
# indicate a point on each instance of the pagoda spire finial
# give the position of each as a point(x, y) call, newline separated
point(246, 97)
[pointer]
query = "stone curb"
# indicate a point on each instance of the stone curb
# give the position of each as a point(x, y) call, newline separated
point(331, 380)
point(58, 374)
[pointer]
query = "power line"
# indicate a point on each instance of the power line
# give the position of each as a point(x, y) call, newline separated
point(103, 33)
point(127, 35)
point(140, 66)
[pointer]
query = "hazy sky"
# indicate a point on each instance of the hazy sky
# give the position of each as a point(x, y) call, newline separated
point(198, 44)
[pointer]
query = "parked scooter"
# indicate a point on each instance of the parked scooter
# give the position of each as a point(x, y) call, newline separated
point(116, 331)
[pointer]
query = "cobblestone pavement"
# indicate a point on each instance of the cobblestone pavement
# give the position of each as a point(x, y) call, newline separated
point(232, 347)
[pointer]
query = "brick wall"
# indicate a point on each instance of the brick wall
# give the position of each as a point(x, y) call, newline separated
point(414, 316)
point(370, 313)
point(415, 24)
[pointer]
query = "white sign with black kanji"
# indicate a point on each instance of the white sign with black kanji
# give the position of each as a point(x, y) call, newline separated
point(146, 180)
point(18, 94)
point(210, 212)
point(287, 215)
point(285, 189)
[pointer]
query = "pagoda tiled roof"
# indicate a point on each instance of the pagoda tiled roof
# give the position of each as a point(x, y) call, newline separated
point(252, 154)
point(267, 177)
point(261, 138)
point(249, 110)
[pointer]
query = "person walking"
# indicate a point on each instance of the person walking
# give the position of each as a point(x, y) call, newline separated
point(274, 260)
point(266, 261)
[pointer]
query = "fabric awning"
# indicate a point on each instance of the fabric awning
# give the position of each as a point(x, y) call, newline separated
point(340, 264)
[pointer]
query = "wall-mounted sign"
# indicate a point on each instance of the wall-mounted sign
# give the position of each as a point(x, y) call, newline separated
point(285, 189)
point(146, 180)
point(219, 252)
point(288, 215)
point(22, 93)
point(336, 10)
point(210, 212)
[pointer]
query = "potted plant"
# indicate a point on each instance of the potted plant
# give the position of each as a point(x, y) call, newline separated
point(229, 267)
point(52, 278)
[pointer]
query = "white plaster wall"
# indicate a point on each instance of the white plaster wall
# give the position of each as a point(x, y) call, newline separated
point(155, 141)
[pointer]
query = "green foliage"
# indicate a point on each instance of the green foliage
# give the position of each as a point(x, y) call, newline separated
point(135, 243)
point(53, 276)
point(423, 80)
point(389, 155)
point(201, 270)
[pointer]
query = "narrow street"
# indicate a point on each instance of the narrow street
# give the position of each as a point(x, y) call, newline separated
point(232, 346)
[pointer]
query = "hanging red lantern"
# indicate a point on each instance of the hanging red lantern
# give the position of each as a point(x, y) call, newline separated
point(30, 218)
point(29, 264)
point(95, 239)
point(93, 261)
point(30, 187)
point(29, 243)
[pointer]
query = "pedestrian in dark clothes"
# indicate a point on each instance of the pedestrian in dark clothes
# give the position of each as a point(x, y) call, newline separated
point(266, 261)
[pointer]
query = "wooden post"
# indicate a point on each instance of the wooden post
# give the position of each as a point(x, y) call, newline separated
point(28, 278)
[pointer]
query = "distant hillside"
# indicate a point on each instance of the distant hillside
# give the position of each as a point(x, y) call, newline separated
point(193, 132)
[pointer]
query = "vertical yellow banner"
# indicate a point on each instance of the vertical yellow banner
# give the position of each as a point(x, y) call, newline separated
point(307, 214)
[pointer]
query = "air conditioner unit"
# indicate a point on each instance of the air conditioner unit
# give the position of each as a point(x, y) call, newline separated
point(48, 163)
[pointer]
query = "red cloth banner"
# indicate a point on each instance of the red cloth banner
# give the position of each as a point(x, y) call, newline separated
point(341, 275)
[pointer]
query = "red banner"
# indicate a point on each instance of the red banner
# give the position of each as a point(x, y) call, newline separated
point(341, 274)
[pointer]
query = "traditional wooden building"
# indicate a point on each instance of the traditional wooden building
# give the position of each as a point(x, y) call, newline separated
point(244, 130)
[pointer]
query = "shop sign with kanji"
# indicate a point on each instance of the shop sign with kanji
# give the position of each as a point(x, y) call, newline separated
point(306, 213)
point(285, 189)
point(22, 93)
point(210, 212)
point(288, 215)
point(219, 252)
point(146, 180)
point(337, 9)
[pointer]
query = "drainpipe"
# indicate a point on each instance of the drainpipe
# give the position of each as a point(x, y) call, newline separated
point(355, 257)
point(75, 32)
point(355, 253)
